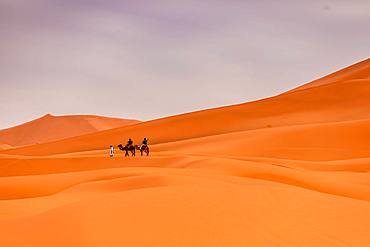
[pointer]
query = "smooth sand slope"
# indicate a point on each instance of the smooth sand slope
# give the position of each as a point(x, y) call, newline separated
point(291, 170)
point(51, 128)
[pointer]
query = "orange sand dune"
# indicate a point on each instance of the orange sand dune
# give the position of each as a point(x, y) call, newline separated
point(291, 170)
point(359, 70)
point(204, 202)
point(340, 101)
point(329, 141)
point(50, 128)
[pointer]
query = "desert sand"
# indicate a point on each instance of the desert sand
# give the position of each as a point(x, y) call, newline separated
point(51, 128)
point(290, 170)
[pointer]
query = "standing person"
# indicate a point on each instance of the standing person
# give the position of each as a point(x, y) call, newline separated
point(111, 151)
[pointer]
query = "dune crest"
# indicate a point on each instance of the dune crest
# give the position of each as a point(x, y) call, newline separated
point(359, 70)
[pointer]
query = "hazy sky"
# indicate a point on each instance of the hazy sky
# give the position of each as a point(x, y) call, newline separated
point(148, 59)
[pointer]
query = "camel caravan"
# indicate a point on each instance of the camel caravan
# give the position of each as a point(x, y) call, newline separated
point(130, 147)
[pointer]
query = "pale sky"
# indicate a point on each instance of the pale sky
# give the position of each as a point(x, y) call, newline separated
point(149, 59)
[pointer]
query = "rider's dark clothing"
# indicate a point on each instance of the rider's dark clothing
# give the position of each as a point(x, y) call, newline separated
point(145, 142)
point(129, 143)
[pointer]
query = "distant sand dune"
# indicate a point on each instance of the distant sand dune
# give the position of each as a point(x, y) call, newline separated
point(50, 128)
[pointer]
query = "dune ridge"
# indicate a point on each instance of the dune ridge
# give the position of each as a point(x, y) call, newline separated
point(360, 70)
point(290, 170)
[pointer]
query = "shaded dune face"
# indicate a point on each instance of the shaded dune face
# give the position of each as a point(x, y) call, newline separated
point(290, 170)
point(51, 128)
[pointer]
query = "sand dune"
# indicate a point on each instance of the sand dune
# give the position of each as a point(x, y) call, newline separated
point(290, 170)
point(50, 128)
point(340, 101)
point(330, 141)
point(359, 70)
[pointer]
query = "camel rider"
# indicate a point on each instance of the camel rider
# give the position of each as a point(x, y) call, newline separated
point(129, 143)
point(145, 142)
